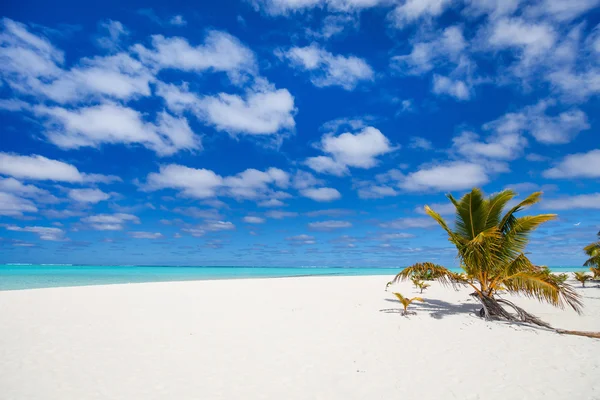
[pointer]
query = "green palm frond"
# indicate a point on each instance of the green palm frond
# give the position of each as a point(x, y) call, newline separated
point(509, 219)
point(439, 273)
point(540, 286)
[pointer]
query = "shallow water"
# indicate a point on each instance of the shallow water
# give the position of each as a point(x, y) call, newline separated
point(30, 276)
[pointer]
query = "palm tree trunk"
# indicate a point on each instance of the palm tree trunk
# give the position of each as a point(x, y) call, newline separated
point(493, 310)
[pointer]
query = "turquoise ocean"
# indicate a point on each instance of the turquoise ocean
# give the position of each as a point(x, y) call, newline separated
point(31, 276)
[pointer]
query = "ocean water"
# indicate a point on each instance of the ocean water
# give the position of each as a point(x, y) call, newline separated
point(31, 276)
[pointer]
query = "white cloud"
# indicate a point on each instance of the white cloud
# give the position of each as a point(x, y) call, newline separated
point(304, 180)
point(198, 183)
point(112, 123)
point(456, 175)
point(44, 233)
point(408, 223)
point(114, 31)
point(451, 87)
point(321, 194)
point(560, 10)
point(412, 10)
point(285, 7)
point(260, 112)
point(221, 52)
point(145, 235)
point(253, 220)
point(110, 222)
point(276, 214)
point(36, 167)
point(13, 186)
point(359, 150)
point(210, 226)
point(557, 129)
point(32, 66)
point(178, 20)
point(250, 184)
point(88, 195)
point(396, 236)
point(14, 206)
point(580, 165)
point(329, 225)
point(447, 47)
point(367, 190)
point(271, 203)
point(508, 146)
point(301, 239)
point(420, 143)
point(583, 201)
point(493, 8)
point(327, 69)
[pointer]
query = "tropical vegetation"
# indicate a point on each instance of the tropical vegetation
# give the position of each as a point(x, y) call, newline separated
point(582, 277)
point(491, 241)
point(422, 286)
point(593, 252)
point(405, 301)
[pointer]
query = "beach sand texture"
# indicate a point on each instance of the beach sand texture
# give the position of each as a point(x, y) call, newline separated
point(289, 338)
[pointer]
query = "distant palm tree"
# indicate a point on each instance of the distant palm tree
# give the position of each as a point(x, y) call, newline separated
point(406, 301)
point(491, 250)
point(582, 277)
point(593, 252)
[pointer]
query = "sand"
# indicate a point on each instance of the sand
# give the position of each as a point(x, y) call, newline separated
point(289, 338)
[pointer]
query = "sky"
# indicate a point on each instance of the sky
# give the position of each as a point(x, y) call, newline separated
point(291, 132)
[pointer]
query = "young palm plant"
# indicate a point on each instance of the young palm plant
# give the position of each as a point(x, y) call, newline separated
point(582, 277)
point(422, 286)
point(406, 301)
point(593, 252)
point(491, 250)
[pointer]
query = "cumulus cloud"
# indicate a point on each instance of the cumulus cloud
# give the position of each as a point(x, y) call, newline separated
point(44, 233)
point(113, 123)
point(329, 225)
point(408, 223)
point(327, 69)
point(277, 214)
point(31, 65)
point(88, 195)
point(411, 11)
point(446, 48)
point(178, 20)
point(285, 7)
point(220, 52)
point(301, 239)
point(455, 175)
point(584, 201)
point(579, 165)
point(114, 31)
point(110, 222)
point(444, 85)
point(209, 226)
point(14, 206)
point(36, 167)
point(560, 128)
point(358, 150)
point(253, 219)
point(260, 112)
point(145, 235)
point(508, 146)
point(420, 143)
point(250, 184)
point(323, 194)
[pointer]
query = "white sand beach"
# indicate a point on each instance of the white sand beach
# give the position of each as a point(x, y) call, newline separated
point(291, 338)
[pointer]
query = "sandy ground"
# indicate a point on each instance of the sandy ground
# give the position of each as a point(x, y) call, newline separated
point(292, 338)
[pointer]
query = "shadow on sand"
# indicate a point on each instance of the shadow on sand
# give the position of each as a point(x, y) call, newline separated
point(437, 309)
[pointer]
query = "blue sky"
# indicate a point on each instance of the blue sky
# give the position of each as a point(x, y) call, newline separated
point(290, 132)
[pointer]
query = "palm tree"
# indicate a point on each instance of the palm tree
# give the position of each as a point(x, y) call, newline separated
point(582, 277)
point(593, 252)
point(491, 250)
point(422, 285)
point(406, 301)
